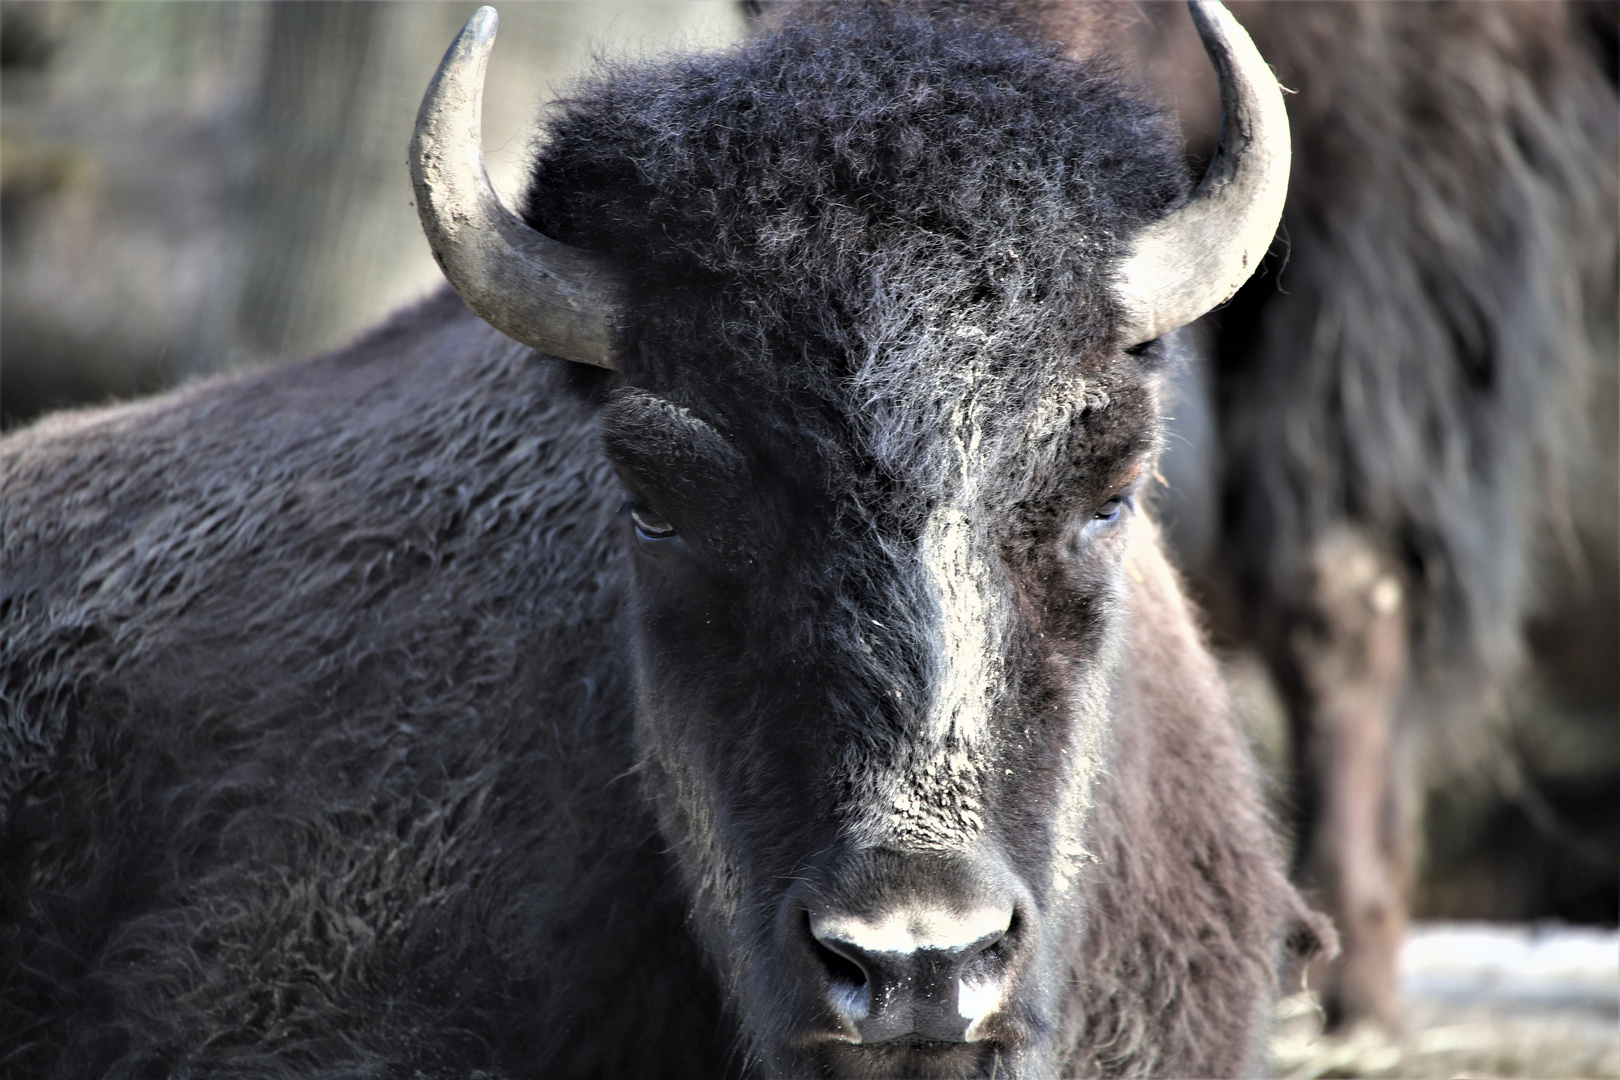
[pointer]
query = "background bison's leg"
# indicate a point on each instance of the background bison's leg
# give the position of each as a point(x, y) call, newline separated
point(1343, 668)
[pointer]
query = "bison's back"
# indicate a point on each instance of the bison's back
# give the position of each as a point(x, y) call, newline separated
point(311, 723)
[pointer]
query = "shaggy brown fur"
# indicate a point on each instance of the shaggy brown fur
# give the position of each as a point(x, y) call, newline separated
point(309, 761)
point(1147, 1006)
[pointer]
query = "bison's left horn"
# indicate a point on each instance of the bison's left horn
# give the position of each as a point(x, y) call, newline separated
point(556, 298)
point(1196, 256)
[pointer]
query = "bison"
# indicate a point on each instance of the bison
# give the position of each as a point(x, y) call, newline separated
point(1397, 403)
point(725, 636)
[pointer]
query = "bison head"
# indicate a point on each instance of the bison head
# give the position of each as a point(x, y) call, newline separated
point(879, 294)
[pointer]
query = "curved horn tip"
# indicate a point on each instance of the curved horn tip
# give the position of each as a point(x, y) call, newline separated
point(483, 24)
point(1197, 256)
point(549, 296)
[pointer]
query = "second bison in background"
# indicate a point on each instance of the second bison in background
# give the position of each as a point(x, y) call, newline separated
point(1398, 406)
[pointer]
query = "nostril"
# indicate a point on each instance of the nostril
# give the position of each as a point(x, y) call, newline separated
point(994, 946)
point(985, 962)
point(849, 982)
point(839, 959)
point(842, 968)
point(997, 947)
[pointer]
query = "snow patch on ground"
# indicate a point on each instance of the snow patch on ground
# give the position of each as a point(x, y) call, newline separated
point(1547, 964)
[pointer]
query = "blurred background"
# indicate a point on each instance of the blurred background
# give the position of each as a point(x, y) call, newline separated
point(199, 187)
point(189, 188)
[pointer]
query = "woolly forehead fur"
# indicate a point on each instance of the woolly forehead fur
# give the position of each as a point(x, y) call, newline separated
point(874, 253)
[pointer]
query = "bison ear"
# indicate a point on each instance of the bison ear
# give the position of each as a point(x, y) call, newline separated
point(549, 296)
point(1311, 937)
point(1194, 258)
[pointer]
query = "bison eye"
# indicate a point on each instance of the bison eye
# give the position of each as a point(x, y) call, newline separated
point(651, 526)
point(1112, 508)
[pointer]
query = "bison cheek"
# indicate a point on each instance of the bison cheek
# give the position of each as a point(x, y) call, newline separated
point(718, 782)
point(1067, 657)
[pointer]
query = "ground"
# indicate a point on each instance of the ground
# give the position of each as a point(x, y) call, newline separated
point(1482, 1000)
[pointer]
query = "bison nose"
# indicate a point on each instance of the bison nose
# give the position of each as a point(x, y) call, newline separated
point(915, 974)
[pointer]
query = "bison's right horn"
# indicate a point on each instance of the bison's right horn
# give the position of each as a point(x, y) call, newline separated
point(1196, 256)
point(550, 296)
